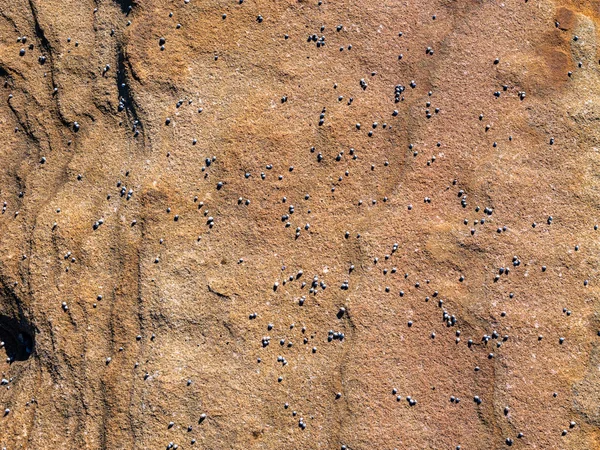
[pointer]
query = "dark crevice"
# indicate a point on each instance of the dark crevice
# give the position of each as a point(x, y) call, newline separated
point(46, 48)
point(18, 338)
point(133, 73)
point(124, 89)
point(16, 331)
point(39, 32)
point(10, 20)
point(217, 293)
point(24, 122)
point(126, 5)
point(9, 74)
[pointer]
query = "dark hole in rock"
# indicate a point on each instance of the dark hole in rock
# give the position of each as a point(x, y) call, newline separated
point(126, 5)
point(18, 338)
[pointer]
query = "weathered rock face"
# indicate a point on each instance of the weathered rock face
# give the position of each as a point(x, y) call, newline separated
point(189, 201)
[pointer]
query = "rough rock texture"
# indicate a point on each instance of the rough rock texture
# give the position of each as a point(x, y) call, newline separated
point(110, 189)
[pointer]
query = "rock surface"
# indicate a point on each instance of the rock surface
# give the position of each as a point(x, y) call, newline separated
point(145, 303)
